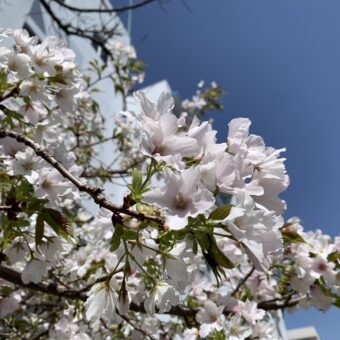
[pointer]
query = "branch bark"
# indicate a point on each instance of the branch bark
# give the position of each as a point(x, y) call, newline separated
point(94, 192)
point(11, 275)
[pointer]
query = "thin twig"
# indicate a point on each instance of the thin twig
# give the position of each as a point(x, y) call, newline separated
point(104, 10)
point(139, 329)
point(242, 282)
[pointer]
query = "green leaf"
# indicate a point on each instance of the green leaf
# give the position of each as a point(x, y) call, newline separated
point(195, 247)
point(180, 234)
point(58, 222)
point(337, 302)
point(291, 236)
point(34, 205)
point(19, 223)
point(115, 241)
point(136, 186)
point(146, 210)
point(219, 256)
point(119, 229)
point(203, 240)
point(166, 238)
point(4, 86)
point(334, 257)
point(119, 89)
point(220, 213)
point(39, 229)
point(130, 235)
point(137, 179)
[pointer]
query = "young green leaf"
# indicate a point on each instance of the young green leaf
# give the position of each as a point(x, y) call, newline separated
point(220, 213)
point(291, 236)
point(58, 222)
point(219, 256)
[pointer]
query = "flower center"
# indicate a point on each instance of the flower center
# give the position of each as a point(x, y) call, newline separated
point(233, 331)
point(159, 149)
point(46, 184)
point(322, 267)
point(13, 66)
point(28, 166)
point(181, 202)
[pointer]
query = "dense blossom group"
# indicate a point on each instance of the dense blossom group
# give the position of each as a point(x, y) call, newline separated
point(199, 248)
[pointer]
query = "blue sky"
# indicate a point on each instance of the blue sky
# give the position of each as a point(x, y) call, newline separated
point(279, 61)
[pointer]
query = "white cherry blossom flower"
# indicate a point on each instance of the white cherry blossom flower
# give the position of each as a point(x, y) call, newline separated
point(51, 185)
point(155, 111)
point(235, 329)
point(17, 251)
point(24, 163)
point(321, 267)
point(175, 266)
point(51, 248)
point(210, 318)
point(23, 40)
point(181, 197)
point(163, 296)
point(320, 299)
point(259, 232)
point(102, 300)
point(34, 111)
point(20, 64)
point(250, 311)
point(34, 271)
point(161, 141)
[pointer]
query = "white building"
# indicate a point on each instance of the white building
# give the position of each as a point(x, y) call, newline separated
point(306, 333)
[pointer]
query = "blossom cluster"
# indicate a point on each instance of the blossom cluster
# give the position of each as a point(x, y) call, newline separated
point(199, 248)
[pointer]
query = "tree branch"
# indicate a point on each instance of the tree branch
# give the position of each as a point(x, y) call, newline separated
point(68, 29)
point(269, 305)
point(11, 275)
point(94, 192)
point(139, 329)
point(104, 10)
point(242, 282)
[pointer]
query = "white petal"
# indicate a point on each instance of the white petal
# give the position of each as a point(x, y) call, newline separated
point(165, 103)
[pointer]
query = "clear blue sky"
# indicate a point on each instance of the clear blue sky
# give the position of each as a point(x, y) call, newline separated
point(279, 60)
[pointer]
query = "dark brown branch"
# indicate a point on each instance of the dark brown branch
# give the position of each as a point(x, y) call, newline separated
point(104, 10)
point(269, 305)
point(68, 29)
point(242, 282)
point(12, 276)
point(94, 192)
point(107, 174)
